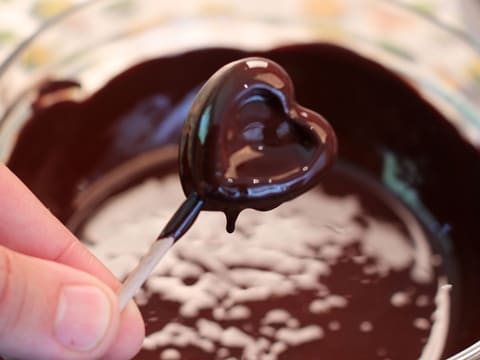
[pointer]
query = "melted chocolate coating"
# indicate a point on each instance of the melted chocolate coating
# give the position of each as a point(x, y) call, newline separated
point(383, 125)
point(247, 144)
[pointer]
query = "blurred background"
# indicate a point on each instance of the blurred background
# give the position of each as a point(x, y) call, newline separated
point(20, 18)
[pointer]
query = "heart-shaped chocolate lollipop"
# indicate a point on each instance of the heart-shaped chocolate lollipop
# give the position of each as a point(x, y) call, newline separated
point(247, 143)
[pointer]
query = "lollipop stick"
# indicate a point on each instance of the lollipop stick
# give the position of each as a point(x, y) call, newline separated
point(175, 228)
point(143, 270)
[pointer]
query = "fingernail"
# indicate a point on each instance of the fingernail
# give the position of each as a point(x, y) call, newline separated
point(83, 316)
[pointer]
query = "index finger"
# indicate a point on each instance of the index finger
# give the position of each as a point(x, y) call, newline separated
point(28, 227)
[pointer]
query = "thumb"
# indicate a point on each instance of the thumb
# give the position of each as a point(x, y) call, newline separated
point(51, 311)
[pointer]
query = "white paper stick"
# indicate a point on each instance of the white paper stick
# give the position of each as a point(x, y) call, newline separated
point(143, 270)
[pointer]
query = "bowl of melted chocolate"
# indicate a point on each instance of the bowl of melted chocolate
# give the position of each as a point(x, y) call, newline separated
point(379, 260)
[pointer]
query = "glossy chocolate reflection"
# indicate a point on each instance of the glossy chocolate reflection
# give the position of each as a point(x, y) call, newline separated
point(247, 144)
point(384, 127)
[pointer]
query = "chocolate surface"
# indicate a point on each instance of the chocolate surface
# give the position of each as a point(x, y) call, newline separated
point(358, 266)
point(384, 128)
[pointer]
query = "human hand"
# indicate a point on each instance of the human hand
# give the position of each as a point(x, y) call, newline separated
point(57, 301)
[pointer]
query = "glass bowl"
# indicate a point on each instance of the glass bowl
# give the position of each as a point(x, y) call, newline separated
point(97, 40)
